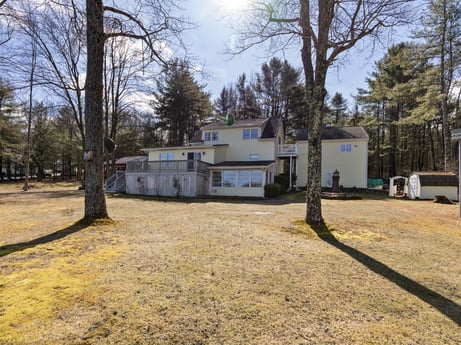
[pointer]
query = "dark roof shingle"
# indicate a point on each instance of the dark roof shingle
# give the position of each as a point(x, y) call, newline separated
point(439, 179)
point(337, 133)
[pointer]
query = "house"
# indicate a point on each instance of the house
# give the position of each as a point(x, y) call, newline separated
point(240, 158)
point(426, 185)
point(344, 149)
point(236, 159)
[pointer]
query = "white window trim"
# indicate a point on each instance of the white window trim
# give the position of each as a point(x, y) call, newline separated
point(236, 178)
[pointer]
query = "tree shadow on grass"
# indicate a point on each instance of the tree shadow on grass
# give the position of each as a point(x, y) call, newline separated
point(17, 247)
point(447, 307)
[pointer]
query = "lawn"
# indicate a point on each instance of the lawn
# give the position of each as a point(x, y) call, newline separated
point(385, 271)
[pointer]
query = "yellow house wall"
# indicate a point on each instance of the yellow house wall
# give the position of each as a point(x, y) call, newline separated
point(301, 165)
point(180, 153)
point(240, 150)
point(352, 166)
point(240, 192)
point(220, 154)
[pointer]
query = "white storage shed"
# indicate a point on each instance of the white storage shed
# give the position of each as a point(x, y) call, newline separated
point(426, 185)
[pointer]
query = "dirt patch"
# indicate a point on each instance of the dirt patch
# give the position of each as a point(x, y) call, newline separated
point(211, 272)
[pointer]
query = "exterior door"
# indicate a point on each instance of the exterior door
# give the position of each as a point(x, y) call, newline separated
point(191, 157)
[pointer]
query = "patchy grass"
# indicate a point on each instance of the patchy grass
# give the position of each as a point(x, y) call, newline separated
point(211, 272)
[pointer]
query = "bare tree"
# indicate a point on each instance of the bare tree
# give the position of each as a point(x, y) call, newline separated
point(324, 29)
point(161, 28)
point(29, 117)
point(57, 31)
point(121, 64)
point(5, 27)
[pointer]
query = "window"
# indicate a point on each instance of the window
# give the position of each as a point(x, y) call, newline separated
point(250, 134)
point(194, 155)
point(166, 156)
point(229, 178)
point(216, 179)
point(211, 136)
point(254, 157)
point(244, 179)
point(346, 148)
point(256, 178)
point(240, 178)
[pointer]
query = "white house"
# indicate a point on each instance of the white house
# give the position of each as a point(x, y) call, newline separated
point(426, 185)
point(239, 159)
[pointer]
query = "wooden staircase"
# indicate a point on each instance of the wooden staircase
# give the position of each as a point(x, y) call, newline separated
point(116, 183)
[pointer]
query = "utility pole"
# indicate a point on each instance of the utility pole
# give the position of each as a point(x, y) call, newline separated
point(456, 136)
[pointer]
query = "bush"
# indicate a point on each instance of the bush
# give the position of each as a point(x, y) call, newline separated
point(284, 182)
point(272, 190)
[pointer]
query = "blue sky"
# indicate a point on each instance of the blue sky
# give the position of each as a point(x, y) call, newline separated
point(211, 38)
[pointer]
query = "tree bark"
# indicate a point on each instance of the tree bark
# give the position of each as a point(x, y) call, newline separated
point(95, 201)
point(315, 97)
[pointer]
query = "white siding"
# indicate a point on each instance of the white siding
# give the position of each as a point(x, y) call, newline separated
point(429, 192)
point(172, 185)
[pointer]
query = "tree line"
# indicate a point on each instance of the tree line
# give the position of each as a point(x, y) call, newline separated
point(408, 109)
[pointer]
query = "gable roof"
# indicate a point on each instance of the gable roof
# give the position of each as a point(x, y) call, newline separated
point(268, 127)
point(434, 178)
point(336, 133)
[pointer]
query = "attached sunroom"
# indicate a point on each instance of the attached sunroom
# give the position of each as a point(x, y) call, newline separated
point(245, 179)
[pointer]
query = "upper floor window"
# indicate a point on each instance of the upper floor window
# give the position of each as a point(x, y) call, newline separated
point(250, 134)
point(346, 148)
point(211, 136)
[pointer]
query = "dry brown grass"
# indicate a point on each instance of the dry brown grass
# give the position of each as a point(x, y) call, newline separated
point(211, 272)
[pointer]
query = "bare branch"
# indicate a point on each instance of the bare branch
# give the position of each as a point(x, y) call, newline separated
point(146, 36)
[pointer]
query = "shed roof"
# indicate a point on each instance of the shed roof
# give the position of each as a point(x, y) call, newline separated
point(124, 160)
point(435, 178)
point(337, 133)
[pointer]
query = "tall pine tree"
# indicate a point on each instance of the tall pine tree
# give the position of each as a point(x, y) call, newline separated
point(181, 105)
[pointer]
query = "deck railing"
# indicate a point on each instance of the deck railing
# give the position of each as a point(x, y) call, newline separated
point(167, 166)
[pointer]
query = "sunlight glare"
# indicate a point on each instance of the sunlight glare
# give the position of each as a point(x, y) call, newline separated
point(230, 6)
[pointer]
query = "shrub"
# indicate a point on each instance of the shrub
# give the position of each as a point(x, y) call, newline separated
point(284, 182)
point(272, 190)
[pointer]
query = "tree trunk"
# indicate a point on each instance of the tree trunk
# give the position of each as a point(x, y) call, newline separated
point(95, 201)
point(315, 98)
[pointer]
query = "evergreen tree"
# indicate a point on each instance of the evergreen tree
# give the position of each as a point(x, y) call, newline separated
point(280, 93)
point(247, 104)
point(182, 105)
point(11, 137)
point(398, 132)
point(338, 110)
point(442, 34)
point(226, 103)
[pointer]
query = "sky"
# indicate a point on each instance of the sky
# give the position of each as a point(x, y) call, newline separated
point(209, 41)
